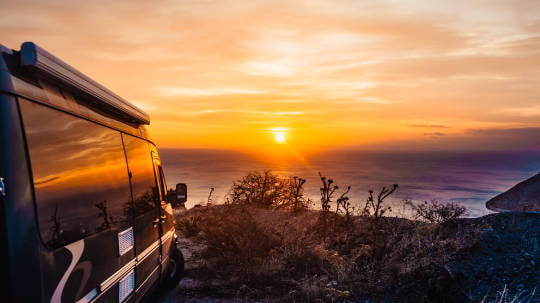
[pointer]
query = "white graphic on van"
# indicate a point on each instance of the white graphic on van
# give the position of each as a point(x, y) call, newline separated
point(86, 268)
point(76, 249)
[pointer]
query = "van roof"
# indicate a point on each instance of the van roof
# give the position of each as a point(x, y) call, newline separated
point(37, 59)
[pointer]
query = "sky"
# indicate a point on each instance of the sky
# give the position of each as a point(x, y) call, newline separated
point(269, 76)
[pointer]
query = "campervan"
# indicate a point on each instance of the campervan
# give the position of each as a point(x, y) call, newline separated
point(84, 210)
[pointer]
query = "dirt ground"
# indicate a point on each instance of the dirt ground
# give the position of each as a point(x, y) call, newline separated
point(189, 289)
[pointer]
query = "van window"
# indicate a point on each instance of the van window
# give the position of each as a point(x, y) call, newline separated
point(80, 175)
point(163, 185)
point(143, 183)
point(145, 192)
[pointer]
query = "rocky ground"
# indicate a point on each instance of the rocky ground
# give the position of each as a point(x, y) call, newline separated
point(507, 255)
point(190, 289)
point(495, 258)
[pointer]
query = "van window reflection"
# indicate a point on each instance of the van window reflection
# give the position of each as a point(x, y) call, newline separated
point(145, 191)
point(80, 175)
point(143, 183)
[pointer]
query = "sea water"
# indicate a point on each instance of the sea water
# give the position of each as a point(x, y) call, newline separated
point(467, 177)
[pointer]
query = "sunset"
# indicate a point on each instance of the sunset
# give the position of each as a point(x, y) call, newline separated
point(359, 73)
point(269, 151)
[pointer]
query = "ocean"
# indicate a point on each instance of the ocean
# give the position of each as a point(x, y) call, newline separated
point(467, 177)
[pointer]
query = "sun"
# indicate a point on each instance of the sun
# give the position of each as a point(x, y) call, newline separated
point(280, 134)
point(280, 137)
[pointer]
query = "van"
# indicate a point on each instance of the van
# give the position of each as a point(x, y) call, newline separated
point(84, 215)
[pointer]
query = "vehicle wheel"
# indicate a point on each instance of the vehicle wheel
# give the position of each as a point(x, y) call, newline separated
point(175, 269)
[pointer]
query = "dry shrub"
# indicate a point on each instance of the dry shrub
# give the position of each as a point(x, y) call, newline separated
point(281, 254)
point(269, 191)
point(268, 252)
point(374, 208)
point(237, 251)
point(258, 250)
point(189, 226)
point(505, 296)
point(337, 221)
point(231, 232)
point(437, 212)
point(299, 258)
point(305, 258)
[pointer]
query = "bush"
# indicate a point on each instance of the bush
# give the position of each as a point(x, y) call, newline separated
point(251, 247)
point(341, 215)
point(375, 208)
point(231, 233)
point(504, 296)
point(189, 226)
point(269, 191)
point(437, 212)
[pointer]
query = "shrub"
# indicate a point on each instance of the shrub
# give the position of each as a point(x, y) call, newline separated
point(343, 204)
point(269, 191)
point(189, 226)
point(328, 189)
point(504, 296)
point(437, 212)
point(375, 208)
point(251, 249)
point(296, 192)
point(231, 233)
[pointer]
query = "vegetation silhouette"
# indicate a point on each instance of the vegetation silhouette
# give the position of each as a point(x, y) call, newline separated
point(269, 191)
point(262, 247)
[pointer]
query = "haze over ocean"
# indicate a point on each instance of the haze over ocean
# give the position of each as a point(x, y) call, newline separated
point(468, 177)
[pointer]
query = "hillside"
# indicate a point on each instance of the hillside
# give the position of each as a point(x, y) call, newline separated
point(239, 254)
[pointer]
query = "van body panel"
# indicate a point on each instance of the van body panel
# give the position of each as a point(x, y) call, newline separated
point(91, 268)
point(23, 242)
point(165, 210)
point(145, 211)
point(84, 244)
point(4, 138)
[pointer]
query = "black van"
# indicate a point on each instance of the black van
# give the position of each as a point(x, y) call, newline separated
point(84, 215)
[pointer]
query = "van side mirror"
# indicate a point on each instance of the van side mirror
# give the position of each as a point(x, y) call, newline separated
point(178, 196)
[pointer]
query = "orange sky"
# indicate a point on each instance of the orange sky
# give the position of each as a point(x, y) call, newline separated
point(340, 73)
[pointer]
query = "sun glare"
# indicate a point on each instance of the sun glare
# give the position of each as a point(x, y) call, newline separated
point(280, 137)
point(280, 134)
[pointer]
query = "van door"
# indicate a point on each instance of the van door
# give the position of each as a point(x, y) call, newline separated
point(83, 208)
point(146, 214)
point(166, 213)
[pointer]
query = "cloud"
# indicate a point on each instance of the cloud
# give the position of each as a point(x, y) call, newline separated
point(287, 113)
point(472, 139)
point(170, 91)
point(520, 112)
point(428, 125)
point(435, 134)
point(360, 69)
point(522, 132)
